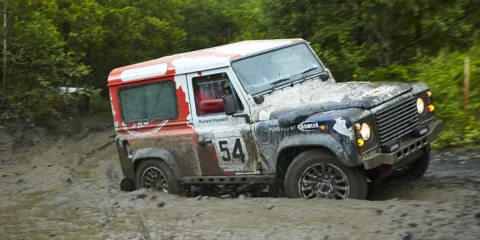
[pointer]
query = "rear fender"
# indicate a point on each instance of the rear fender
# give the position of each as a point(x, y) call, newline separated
point(157, 153)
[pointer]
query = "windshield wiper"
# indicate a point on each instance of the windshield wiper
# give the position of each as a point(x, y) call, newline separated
point(304, 73)
point(304, 76)
point(275, 83)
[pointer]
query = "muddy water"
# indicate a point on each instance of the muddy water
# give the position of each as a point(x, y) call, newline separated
point(68, 189)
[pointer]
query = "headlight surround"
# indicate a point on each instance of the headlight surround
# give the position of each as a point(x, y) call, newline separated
point(429, 108)
point(365, 134)
point(420, 105)
point(366, 131)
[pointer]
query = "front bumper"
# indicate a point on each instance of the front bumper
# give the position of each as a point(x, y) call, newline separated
point(409, 149)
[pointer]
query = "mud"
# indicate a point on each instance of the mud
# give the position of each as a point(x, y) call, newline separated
point(67, 188)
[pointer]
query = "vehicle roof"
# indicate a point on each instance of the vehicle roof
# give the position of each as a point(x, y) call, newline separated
point(194, 61)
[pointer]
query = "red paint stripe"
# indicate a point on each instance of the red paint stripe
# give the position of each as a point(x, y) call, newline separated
point(229, 173)
point(215, 154)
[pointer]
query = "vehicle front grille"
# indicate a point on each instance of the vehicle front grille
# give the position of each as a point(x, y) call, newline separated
point(397, 120)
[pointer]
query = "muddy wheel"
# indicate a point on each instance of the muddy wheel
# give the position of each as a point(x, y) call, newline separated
point(155, 174)
point(318, 174)
point(127, 185)
point(362, 181)
point(415, 170)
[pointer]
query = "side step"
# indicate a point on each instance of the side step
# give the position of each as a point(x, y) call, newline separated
point(239, 179)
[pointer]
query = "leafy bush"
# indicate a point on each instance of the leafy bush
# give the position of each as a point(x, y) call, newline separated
point(444, 75)
point(54, 44)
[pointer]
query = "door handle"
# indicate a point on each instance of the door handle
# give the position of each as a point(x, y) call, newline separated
point(204, 142)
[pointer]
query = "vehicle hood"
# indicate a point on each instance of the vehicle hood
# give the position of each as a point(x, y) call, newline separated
point(291, 105)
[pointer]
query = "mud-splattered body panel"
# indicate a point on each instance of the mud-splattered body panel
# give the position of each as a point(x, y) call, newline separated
point(330, 130)
point(191, 130)
point(176, 136)
point(192, 145)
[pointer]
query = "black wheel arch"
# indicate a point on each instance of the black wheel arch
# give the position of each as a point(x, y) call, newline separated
point(286, 156)
point(158, 154)
point(345, 153)
point(290, 147)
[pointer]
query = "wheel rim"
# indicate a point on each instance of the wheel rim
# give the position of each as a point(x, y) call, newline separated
point(153, 178)
point(323, 180)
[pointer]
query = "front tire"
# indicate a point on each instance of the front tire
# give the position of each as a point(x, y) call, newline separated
point(319, 174)
point(155, 174)
point(416, 170)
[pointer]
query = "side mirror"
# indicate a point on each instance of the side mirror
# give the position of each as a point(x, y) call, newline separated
point(229, 104)
point(324, 76)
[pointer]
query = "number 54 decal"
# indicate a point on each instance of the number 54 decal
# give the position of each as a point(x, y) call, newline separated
point(231, 149)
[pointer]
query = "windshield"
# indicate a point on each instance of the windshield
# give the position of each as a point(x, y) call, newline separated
point(267, 71)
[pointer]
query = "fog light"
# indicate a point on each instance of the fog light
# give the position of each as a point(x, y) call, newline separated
point(420, 131)
point(423, 131)
point(394, 147)
point(360, 142)
point(431, 108)
point(391, 147)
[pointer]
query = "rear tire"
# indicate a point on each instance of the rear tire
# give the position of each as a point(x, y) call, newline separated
point(155, 174)
point(318, 174)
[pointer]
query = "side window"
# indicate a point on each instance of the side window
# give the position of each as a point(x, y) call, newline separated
point(209, 91)
point(148, 102)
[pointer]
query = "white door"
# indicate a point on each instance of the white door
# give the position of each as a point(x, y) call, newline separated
point(226, 136)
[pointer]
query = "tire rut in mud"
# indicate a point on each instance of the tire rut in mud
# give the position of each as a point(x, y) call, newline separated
point(93, 152)
point(113, 176)
point(442, 205)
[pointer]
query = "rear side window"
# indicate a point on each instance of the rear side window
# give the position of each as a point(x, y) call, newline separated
point(149, 102)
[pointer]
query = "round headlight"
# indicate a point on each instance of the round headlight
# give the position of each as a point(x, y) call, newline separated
point(420, 105)
point(366, 132)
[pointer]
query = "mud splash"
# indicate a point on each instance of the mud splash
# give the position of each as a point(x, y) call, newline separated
point(49, 195)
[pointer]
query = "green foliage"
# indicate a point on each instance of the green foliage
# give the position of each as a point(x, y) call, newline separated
point(37, 65)
point(76, 43)
point(408, 41)
point(206, 23)
point(444, 75)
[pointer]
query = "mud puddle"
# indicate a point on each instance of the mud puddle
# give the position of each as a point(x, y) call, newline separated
point(68, 189)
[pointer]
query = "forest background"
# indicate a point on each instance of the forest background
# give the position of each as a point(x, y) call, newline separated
point(48, 44)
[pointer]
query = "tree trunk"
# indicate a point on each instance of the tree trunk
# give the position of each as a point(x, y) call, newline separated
point(466, 83)
point(4, 77)
point(360, 36)
point(418, 24)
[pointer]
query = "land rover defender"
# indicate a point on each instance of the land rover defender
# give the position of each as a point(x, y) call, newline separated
point(266, 112)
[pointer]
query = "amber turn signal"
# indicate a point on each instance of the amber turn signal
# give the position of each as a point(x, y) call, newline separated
point(429, 94)
point(358, 126)
point(322, 127)
point(431, 108)
point(360, 142)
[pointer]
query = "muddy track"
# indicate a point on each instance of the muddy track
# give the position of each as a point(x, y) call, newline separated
point(68, 189)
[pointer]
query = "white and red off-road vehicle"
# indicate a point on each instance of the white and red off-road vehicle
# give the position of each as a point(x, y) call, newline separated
point(265, 112)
